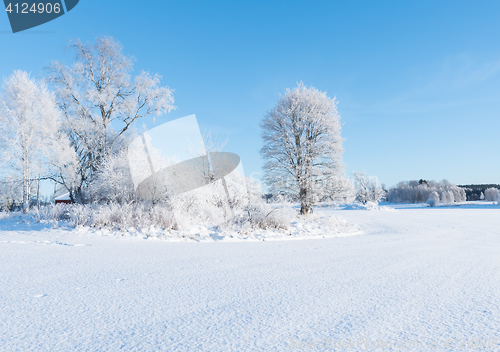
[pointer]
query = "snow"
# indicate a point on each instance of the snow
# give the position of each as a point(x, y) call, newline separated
point(64, 196)
point(414, 274)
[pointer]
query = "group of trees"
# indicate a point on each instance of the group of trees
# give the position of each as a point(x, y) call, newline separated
point(67, 134)
point(477, 192)
point(77, 134)
point(420, 192)
point(31, 138)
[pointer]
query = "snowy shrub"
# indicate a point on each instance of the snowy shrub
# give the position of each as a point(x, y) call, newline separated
point(59, 212)
point(51, 213)
point(258, 214)
point(124, 216)
point(110, 216)
point(492, 194)
point(115, 215)
point(433, 199)
point(208, 204)
point(261, 215)
point(6, 215)
point(277, 218)
point(113, 181)
point(82, 215)
point(367, 188)
point(420, 191)
point(163, 218)
point(208, 207)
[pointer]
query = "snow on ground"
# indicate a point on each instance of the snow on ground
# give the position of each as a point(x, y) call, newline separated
point(415, 275)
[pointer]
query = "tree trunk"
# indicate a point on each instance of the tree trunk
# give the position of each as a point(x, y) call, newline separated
point(305, 207)
point(55, 188)
point(26, 195)
point(38, 184)
point(38, 192)
point(78, 196)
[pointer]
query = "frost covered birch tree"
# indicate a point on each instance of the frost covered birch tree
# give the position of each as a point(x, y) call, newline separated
point(302, 145)
point(29, 131)
point(97, 91)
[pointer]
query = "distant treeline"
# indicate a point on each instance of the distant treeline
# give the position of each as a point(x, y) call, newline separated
point(473, 192)
point(420, 191)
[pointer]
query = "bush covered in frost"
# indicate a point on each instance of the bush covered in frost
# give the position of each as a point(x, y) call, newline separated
point(433, 199)
point(207, 206)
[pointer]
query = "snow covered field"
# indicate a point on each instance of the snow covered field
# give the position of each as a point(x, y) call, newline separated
point(414, 275)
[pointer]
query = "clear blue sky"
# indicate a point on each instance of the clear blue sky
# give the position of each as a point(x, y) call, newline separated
point(417, 82)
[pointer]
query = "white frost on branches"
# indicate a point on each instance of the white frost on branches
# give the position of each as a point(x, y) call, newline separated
point(30, 140)
point(98, 90)
point(303, 146)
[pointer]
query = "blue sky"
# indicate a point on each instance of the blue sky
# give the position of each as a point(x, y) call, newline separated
point(417, 82)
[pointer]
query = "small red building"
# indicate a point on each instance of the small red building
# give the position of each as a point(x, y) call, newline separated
point(63, 199)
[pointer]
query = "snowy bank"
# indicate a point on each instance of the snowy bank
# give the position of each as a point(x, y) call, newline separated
point(79, 220)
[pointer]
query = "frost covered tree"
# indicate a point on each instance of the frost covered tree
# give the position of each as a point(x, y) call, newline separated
point(492, 194)
point(97, 91)
point(29, 131)
point(302, 145)
point(447, 196)
point(367, 188)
